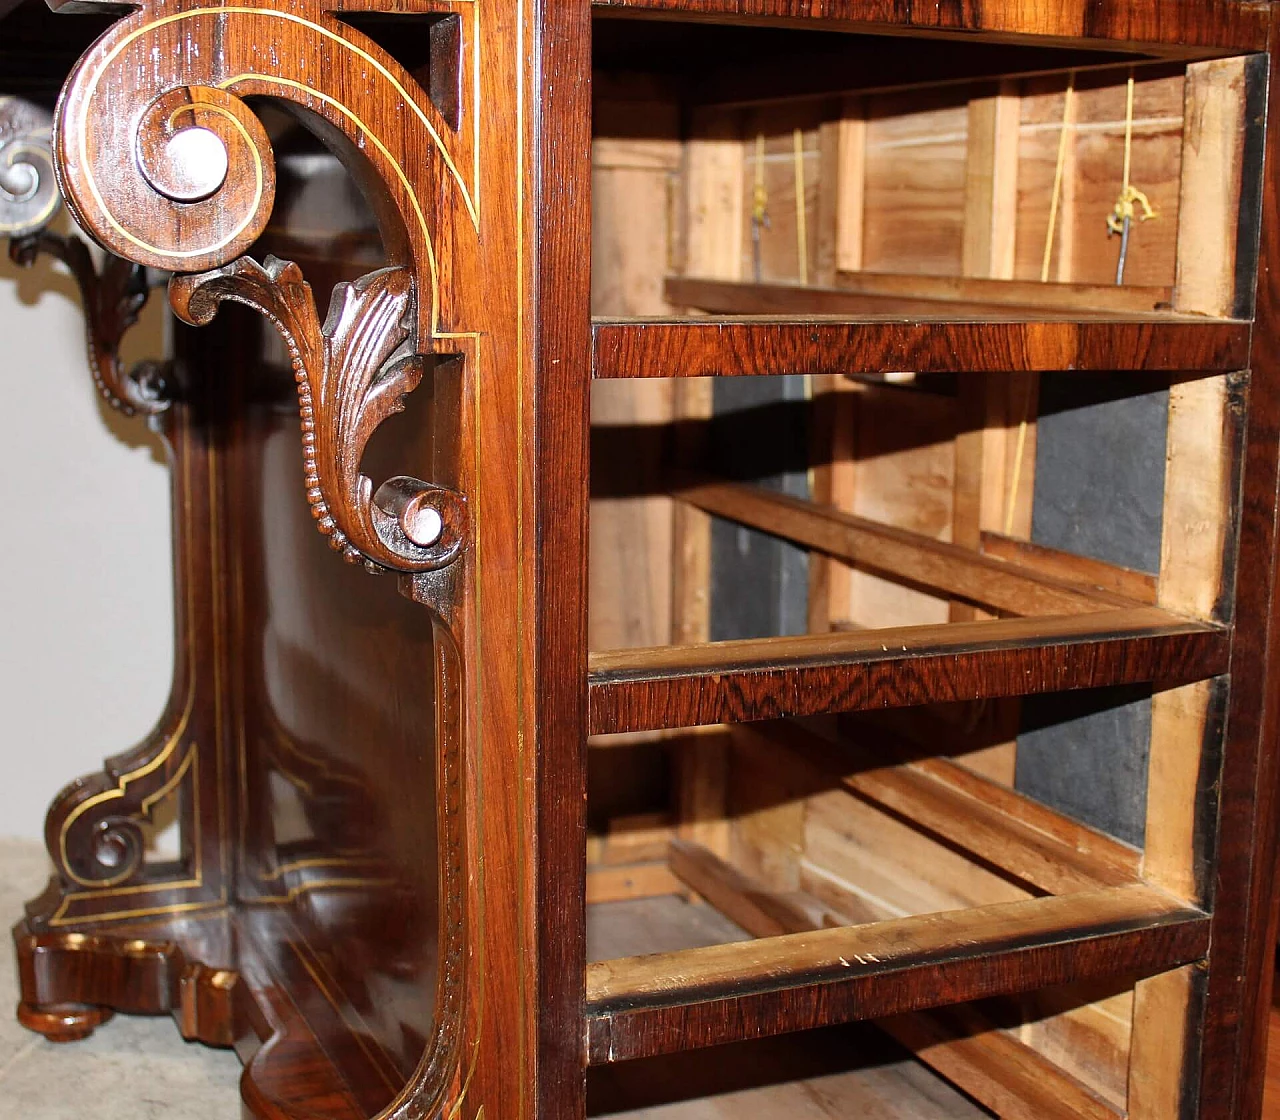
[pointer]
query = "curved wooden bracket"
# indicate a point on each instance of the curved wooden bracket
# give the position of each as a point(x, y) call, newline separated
point(349, 381)
point(193, 197)
point(94, 829)
point(200, 191)
point(112, 300)
point(112, 297)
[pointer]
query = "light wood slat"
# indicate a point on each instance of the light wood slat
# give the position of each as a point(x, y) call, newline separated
point(899, 554)
point(741, 681)
point(976, 825)
point(640, 1006)
point(640, 838)
point(871, 346)
point(1138, 587)
point(1109, 856)
point(637, 880)
point(991, 181)
point(996, 1069)
point(1061, 298)
point(926, 297)
point(761, 912)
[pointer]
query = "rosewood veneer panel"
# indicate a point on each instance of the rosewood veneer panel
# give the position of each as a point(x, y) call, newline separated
point(767, 347)
point(1175, 25)
point(641, 1006)
point(739, 681)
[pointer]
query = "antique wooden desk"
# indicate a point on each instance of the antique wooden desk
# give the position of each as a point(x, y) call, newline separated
point(853, 270)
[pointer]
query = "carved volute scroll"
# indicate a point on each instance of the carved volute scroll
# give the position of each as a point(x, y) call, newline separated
point(112, 299)
point(29, 198)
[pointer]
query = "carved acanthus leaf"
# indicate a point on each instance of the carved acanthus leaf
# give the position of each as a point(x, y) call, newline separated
point(349, 381)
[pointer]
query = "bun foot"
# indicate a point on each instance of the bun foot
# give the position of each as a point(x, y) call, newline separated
point(64, 1022)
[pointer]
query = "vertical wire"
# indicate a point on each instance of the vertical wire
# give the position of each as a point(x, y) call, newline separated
point(802, 219)
point(1068, 104)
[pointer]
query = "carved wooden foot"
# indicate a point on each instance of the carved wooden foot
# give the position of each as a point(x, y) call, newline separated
point(71, 983)
point(68, 1022)
point(301, 1065)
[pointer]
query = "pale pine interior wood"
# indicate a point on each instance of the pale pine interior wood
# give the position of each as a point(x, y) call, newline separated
point(930, 533)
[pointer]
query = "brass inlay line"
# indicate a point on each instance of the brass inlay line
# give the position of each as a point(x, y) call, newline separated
point(378, 1054)
point(412, 196)
point(318, 861)
point(408, 98)
point(117, 892)
point(290, 746)
point(188, 763)
point(296, 892)
point(114, 795)
point(476, 96)
point(237, 574)
point(521, 847)
point(154, 911)
point(219, 615)
point(190, 882)
point(477, 39)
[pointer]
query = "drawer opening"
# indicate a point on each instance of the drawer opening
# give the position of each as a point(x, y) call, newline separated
point(1019, 182)
point(844, 848)
point(796, 489)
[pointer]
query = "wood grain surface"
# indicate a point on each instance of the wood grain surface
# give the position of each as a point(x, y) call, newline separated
point(633, 690)
point(887, 344)
point(640, 1006)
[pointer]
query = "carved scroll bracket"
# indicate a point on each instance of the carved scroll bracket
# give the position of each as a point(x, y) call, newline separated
point(199, 192)
point(112, 297)
point(352, 374)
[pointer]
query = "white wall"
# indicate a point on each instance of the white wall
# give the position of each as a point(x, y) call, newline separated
point(86, 622)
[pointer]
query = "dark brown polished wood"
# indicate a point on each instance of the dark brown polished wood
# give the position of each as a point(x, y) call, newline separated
point(1159, 26)
point(643, 689)
point(358, 798)
point(378, 767)
point(736, 348)
point(636, 1009)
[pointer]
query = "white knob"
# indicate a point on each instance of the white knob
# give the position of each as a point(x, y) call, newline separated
point(423, 525)
point(197, 164)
